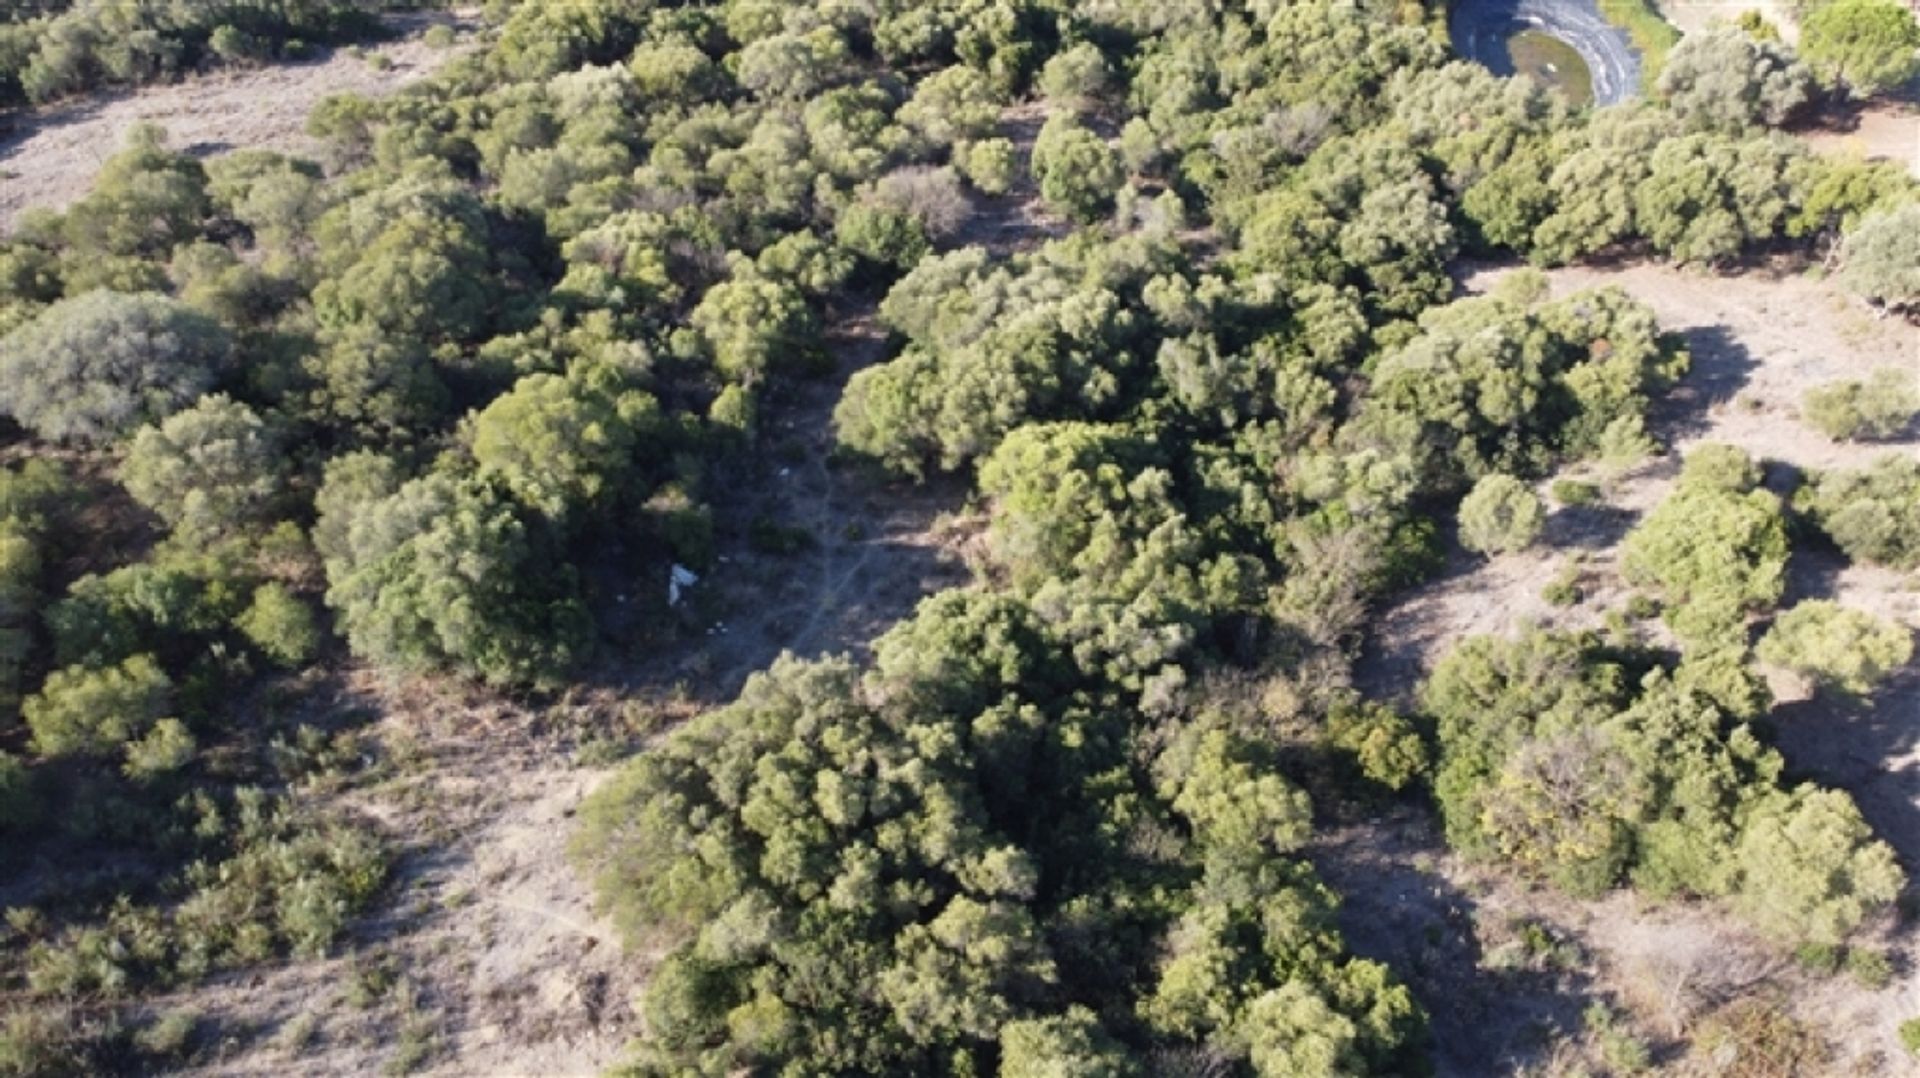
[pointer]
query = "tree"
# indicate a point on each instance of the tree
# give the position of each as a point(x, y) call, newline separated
point(87, 711)
point(564, 444)
point(1501, 515)
point(1811, 869)
point(1076, 79)
point(1715, 554)
point(1077, 171)
point(95, 366)
point(208, 471)
point(1880, 407)
point(444, 574)
point(1868, 46)
point(754, 326)
point(1880, 258)
point(1846, 649)
point(1723, 78)
point(1068, 1044)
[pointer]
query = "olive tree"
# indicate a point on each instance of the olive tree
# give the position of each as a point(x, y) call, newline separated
point(1880, 258)
point(1724, 78)
point(93, 367)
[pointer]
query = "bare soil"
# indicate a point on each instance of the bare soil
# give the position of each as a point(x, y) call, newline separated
point(50, 157)
point(1758, 341)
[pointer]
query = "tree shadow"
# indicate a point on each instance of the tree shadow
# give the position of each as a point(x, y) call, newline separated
point(1486, 1015)
point(1721, 367)
point(1870, 748)
point(1588, 527)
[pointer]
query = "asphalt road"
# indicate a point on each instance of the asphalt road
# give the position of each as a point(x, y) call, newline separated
point(1480, 30)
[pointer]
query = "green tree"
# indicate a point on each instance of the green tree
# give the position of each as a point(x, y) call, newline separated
point(208, 471)
point(1501, 515)
point(1077, 171)
point(444, 574)
point(95, 366)
point(1849, 650)
point(1868, 46)
point(1715, 551)
point(82, 710)
point(563, 444)
point(280, 625)
point(1811, 869)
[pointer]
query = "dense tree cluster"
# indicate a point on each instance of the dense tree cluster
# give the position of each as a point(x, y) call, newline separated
point(431, 394)
point(971, 858)
point(68, 49)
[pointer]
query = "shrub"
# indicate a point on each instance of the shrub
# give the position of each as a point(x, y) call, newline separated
point(1810, 868)
point(166, 748)
point(17, 805)
point(1880, 257)
point(93, 367)
point(1838, 647)
point(1713, 552)
point(83, 710)
point(1873, 515)
point(1880, 407)
point(280, 625)
point(1501, 515)
point(1910, 1035)
point(991, 164)
point(1575, 492)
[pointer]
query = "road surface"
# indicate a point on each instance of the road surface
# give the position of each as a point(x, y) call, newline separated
point(1480, 30)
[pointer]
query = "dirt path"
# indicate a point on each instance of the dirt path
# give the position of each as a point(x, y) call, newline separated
point(53, 154)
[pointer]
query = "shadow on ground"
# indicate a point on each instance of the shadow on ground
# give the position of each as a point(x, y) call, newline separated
point(1484, 1018)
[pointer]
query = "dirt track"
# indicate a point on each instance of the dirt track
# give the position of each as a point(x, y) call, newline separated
point(51, 157)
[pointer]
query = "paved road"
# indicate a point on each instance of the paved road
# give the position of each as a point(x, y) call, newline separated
point(1481, 28)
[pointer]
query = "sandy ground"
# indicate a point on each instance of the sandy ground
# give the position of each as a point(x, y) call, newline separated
point(52, 155)
point(1692, 15)
point(1758, 343)
point(1887, 130)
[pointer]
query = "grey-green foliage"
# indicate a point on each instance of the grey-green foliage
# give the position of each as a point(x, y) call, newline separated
point(1724, 78)
point(208, 471)
point(1837, 646)
point(1880, 258)
point(1872, 514)
point(1500, 515)
point(1880, 407)
point(444, 574)
point(93, 367)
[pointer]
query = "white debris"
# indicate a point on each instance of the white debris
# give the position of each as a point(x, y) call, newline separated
point(678, 578)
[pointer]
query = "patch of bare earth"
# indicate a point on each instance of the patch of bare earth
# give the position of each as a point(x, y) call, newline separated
point(50, 157)
point(1758, 343)
point(1886, 130)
